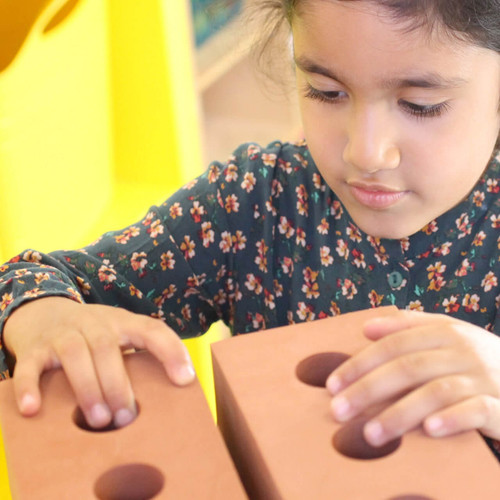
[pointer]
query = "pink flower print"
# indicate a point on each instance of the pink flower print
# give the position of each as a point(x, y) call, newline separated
point(489, 281)
point(323, 227)
point(138, 261)
point(300, 238)
point(464, 268)
point(354, 233)
point(300, 159)
point(186, 312)
point(470, 302)
point(135, 291)
point(478, 198)
point(106, 272)
point(167, 260)
point(254, 283)
point(479, 238)
point(276, 188)
point(232, 204)
point(326, 258)
point(231, 173)
point(249, 182)
point(375, 298)
point(175, 210)
point(168, 293)
point(349, 290)
point(269, 159)
point(7, 299)
point(463, 225)
point(253, 151)
point(286, 227)
point(305, 311)
point(35, 292)
point(278, 288)
point(334, 308)
point(187, 247)
point(336, 210)
point(269, 300)
point(213, 174)
point(495, 221)
point(32, 256)
point(415, 305)
point(430, 228)
point(207, 234)
point(492, 186)
point(197, 211)
point(359, 258)
point(286, 166)
point(287, 266)
point(261, 259)
point(83, 286)
point(443, 249)
point(238, 241)
point(342, 249)
point(190, 185)
point(124, 237)
point(155, 229)
point(318, 182)
point(270, 207)
point(225, 242)
point(451, 305)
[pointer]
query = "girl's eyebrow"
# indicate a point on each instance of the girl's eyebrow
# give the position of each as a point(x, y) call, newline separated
point(429, 80)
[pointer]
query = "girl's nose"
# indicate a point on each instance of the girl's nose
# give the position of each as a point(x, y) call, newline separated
point(370, 144)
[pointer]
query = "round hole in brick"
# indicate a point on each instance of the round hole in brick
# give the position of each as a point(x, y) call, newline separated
point(79, 420)
point(350, 442)
point(315, 369)
point(129, 482)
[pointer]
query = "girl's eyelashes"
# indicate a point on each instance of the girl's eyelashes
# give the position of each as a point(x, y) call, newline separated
point(330, 96)
point(415, 110)
point(424, 111)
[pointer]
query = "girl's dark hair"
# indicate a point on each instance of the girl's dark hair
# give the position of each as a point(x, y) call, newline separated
point(474, 21)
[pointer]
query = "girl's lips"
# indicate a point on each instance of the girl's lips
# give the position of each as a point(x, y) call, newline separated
point(376, 197)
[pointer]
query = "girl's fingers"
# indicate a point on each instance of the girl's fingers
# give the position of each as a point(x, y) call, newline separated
point(161, 341)
point(76, 360)
point(417, 406)
point(379, 327)
point(113, 378)
point(394, 378)
point(26, 389)
point(479, 412)
point(417, 340)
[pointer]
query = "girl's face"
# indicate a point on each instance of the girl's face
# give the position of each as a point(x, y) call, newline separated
point(401, 125)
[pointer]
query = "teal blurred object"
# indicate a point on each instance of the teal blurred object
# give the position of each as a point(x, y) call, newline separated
point(209, 16)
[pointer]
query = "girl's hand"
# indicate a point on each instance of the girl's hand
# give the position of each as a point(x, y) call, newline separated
point(428, 369)
point(87, 340)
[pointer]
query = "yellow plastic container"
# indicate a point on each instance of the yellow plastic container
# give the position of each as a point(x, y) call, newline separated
point(98, 120)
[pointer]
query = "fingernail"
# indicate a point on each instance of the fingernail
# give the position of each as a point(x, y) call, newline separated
point(185, 374)
point(341, 408)
point(28, 404)
point(333, 384)
point(99, 415)
point(374, 433)
point(434, 426)
point(123, 417)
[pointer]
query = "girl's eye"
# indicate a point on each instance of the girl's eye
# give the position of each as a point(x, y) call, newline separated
point(323, 96)
point(424, 111)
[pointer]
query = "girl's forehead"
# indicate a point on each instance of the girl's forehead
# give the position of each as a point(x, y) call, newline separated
point(325, 23)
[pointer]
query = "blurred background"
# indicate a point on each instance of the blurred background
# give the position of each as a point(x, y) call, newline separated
point(108, 106)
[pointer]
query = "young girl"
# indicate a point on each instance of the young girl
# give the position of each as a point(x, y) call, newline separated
point(393, 199)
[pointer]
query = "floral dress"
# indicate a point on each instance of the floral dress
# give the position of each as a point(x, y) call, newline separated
point(261, 241)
